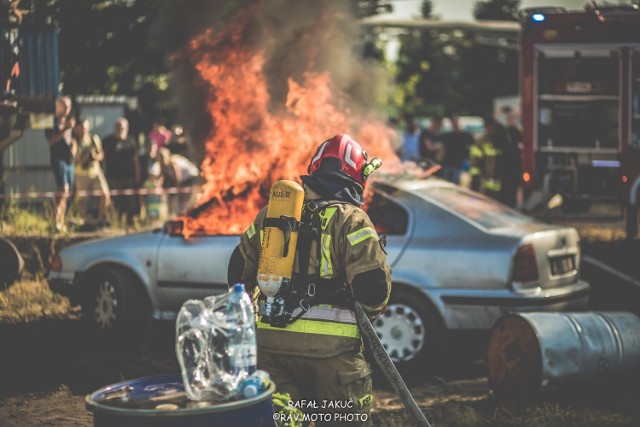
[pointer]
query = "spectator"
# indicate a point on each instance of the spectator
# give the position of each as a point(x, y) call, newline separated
point(62, 148)
point(410, 140)
point(122, 167)
point(179, 143)
point(89, 174)
point(159, 135)
point(456, 146)
point(155, 203)
point(430, 145)
point(177, 171)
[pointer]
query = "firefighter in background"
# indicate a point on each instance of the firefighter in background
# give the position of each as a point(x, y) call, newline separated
point(318, 354)
point(495, 164)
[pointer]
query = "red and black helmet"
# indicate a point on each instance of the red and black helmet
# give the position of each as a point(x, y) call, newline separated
point(342, 156)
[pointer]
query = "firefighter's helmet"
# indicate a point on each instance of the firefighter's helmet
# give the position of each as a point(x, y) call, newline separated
point(342, 156)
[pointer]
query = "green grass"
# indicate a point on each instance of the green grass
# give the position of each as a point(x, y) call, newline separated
point(30, 301)
point(38, 219)
point(15, 219)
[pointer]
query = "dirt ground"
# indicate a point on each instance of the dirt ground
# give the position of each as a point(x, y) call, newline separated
point(48, 367)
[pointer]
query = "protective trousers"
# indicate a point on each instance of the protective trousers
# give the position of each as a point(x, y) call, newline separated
point(332, 391)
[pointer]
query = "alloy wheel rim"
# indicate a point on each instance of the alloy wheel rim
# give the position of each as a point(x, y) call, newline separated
point(401, 331)
point(106, 305)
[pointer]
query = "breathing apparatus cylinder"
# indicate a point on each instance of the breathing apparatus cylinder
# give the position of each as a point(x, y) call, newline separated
point(275, 266)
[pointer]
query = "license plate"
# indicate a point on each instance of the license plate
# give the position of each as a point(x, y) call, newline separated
point(562, 265)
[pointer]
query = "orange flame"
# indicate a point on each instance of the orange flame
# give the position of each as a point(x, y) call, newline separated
point(250, 147)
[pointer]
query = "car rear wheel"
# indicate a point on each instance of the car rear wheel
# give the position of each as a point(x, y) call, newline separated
point(113, 304)
point(411, 331)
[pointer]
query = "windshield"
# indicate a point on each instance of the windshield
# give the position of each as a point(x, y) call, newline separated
point(477, 208)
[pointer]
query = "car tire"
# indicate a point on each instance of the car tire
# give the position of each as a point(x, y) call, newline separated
point(411, 331)
point(114, 305)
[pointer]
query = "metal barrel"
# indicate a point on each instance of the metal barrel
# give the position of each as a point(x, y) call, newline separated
point(543, 351)
point(160, 401)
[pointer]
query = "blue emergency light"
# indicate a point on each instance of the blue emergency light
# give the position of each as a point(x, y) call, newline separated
point(538, 17)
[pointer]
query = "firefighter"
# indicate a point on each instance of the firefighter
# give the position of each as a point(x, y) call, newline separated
point(490, 160)
point(318, 356)
point(476, 163)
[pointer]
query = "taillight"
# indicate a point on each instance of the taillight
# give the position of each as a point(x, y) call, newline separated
point(56, 264)
point(525, 267)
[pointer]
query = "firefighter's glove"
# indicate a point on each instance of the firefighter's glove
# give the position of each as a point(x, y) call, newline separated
point(375, 314)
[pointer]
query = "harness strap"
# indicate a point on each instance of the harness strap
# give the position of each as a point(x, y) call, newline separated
point(287, 224)
point(309, 290)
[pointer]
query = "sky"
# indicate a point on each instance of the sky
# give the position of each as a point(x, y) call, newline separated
point(463, 9)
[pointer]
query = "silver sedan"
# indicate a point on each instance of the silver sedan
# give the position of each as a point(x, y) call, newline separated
point(460, 260)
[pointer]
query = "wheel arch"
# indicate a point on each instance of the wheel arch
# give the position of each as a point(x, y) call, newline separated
point(423, 296)
point(143, 288)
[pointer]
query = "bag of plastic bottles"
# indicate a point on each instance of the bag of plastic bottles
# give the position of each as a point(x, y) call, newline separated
point(216, 345)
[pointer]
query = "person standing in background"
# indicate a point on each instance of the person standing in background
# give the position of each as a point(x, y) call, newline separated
point(63, 149)
point(159, 135)
point(512, 188)
point(122, 167)
point(456, 151)
point(179, 143)
point(410, 140)
point(89, 174)
point(430, 145)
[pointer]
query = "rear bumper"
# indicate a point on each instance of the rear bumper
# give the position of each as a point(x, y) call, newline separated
point(480, 309)
point(65, 283)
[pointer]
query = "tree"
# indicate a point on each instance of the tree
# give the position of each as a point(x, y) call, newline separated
point(105, 48)
point(488, 71)
point(429, 70)
point(497, 10)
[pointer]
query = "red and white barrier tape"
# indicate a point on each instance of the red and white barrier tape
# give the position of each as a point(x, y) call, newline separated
point(84, 193)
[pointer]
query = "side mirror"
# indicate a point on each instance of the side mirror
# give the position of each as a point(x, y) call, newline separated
point(174, 227)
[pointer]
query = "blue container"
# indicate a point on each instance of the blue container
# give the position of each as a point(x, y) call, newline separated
point(160, 402)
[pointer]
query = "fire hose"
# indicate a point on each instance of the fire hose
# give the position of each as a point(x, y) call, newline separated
point(388, 368)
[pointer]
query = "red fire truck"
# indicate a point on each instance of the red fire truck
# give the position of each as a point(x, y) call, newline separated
point(580, 89)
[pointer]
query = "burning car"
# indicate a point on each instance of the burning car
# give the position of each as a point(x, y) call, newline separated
point(460, 260)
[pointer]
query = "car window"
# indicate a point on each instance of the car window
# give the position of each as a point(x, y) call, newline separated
point(479, 209)
point(387, 216)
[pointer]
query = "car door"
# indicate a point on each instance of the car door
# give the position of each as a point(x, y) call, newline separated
point(192, 268)
point(392, 221)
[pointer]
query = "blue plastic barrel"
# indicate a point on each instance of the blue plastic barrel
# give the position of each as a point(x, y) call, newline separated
point(160, 401)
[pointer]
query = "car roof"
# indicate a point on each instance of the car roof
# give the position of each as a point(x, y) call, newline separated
point(473, 207)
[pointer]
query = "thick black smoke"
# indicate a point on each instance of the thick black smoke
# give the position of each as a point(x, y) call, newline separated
point(294, 35)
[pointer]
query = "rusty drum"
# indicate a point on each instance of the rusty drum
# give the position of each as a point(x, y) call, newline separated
point(541, 351)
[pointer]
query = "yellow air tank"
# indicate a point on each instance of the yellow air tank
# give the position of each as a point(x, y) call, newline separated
point(275, 266)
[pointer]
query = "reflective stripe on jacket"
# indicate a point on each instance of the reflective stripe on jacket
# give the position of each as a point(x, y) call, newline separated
point(347, 245)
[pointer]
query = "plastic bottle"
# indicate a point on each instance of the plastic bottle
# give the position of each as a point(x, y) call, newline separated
point(192, 328)
point(255, 384)
point(241, 333)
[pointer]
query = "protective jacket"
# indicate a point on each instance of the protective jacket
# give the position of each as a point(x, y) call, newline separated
point(346, 250)
point(484, 157)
